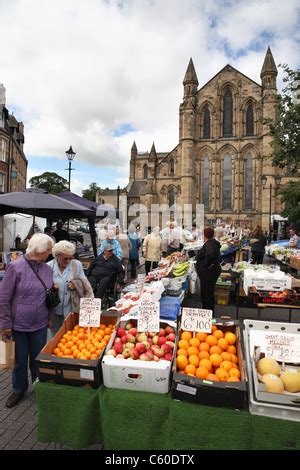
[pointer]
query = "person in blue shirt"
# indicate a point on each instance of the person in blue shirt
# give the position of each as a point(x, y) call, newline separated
point(134, 250)
point(111, 240)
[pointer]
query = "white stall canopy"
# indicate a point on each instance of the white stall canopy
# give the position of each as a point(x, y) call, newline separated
point(19, 225)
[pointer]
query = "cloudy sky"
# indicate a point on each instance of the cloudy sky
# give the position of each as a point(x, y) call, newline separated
point(99, 74)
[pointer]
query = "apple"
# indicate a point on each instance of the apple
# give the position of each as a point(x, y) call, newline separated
point(169, 329)
point(145, 357)
point(161, 340)
point(155, 339)
point(150, 355)
point(124, 339)
point(129, 345)
point(162, 332)
point(130, 338)
point(141, 347)
point(159, 352)
point(121, 332)
point(142, 337)
point(117, 341)
point(146, 343)
point(168, 357)
point(155, 358)
point(126, 353)
point(150, 342)
point(171, 337)
point(120, 356)
point(129, 325)
point(151, 334)
point(111, 352)
point(170, 343)
point(134, 354)
point(133, 331)
point(118, 348)
point(166, 347)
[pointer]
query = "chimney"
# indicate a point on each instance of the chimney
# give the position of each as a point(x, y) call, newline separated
point(2, 94)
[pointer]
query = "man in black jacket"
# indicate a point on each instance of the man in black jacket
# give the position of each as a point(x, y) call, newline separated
point(104, 272)
point(208, 268)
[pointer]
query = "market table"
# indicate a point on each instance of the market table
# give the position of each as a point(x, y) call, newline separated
point(285, 306)
point(79, 417)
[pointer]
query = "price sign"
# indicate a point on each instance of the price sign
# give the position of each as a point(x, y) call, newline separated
point(196, 319)
point(283, 347)
point(148, 316)
point(140, 282)
point(90, 311)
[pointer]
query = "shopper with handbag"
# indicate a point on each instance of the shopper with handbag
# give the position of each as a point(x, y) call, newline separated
point(24, 314)
point(65, 269)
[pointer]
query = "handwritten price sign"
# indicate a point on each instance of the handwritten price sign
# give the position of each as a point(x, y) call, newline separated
point(196, 319)
point(283, 347)
point(90, 311)
point(148, 316)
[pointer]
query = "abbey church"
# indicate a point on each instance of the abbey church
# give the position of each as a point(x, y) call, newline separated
point(222, 153)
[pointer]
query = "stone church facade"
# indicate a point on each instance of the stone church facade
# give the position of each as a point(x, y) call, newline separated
point(223, 150)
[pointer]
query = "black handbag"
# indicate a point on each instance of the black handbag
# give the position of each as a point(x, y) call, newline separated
point(52, 294)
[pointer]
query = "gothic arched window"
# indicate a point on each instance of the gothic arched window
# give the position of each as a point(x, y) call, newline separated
point(205, 182)
point(249, 120)
point(227, 115)
point(227, 183)
point(171, 167)
point(206, 122)
point(171, 196)
point(145, 171)
point(249, 181)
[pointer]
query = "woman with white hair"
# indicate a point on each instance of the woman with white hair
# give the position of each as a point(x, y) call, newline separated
point(65, 269)
point(24, 314)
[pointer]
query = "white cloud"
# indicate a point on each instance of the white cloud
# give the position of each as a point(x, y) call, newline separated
point(78, 70)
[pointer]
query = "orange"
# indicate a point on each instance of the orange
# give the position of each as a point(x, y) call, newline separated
point(233, 379)
point(231, 349)
point(193, 350)
point(73, 348)
point(67, 352)
point(187, 335)
point(70, 344)
point(214, 328)
point(227, 365)
point(202, 372)
point(190, 369)
point(204, 347)
point(56, 351)
point(106, 338)
point(230, 337)
point(181, 362)
point(107, 331)
point(93, 350)
point(218, 334)
point(215, 350)
point(102, 326)
point(195, 342)
point(222, 342)
point(226, 356)
point(234, 366)
point(63, 340)
point(76, 353)
point(234, 373)
point(81, 346)
point(181, 371)
point(60, 345)
point(216, 360)
point(222, 374)
point(75, 339)
point(183, 344)
point(88, 355)
point(206, 363)
point(182, 351)
point(212, 377)
point(94, 356)
point(211, 340)
point(234, 358)
point(60, 354)
point(203, 355)
point(193, 359)
point(201, 336)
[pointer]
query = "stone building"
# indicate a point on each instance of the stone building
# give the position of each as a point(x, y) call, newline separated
point(13, 162)
point(223, 150)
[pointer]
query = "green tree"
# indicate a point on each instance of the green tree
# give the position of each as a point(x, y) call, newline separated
point(290, 195)
point(51, 182)
point(90, 193)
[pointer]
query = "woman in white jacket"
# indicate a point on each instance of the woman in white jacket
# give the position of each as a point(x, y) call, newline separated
point(152, 248)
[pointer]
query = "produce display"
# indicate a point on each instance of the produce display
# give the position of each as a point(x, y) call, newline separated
point(286, 297)
point(277, 377)
point(81, 344)
point(180, 269)
point(208, 356)
point(149, 346)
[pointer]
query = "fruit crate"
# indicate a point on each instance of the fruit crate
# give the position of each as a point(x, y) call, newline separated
point(207, 392)
point(275, 405)
point(222, 298)
point(287, 297)
point(67, 371)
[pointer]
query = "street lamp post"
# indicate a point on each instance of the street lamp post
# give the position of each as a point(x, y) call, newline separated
point(70, 156)
point(277, 184)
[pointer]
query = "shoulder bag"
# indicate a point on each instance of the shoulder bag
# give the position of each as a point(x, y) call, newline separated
point(52, 294)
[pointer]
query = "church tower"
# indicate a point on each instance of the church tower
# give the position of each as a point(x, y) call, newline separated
point(187, 125)
point(132, 162)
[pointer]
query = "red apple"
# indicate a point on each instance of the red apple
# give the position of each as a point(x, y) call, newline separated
point(171, 337)
point(134, 354)
point(170, 343)
point(161, 340)
point(129, 325)
point(121, 332)
point(145, 357)
point(142, 337)
point(117, 341)
point(130, 338)
point(133, 331)
point(155, 358)
point(124, 339)
point(159, 353)
point(166, 347)
point(151, 334)
point(169, 330)
point(150, 355)
point(168, 357)
point(162, 332)
point(120, 356)
point(129, 345)
point(118, 348)
point(141, 347)
point(126, 353)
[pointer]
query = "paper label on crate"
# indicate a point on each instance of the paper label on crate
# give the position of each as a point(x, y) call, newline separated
point(186, 389)
point(196, 319)
point(87, 374)
point(90, 312)
point(282, 347)
point(140, 282)
point(148, 316)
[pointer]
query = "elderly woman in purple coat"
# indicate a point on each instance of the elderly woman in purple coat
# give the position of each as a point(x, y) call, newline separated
point(23, 311)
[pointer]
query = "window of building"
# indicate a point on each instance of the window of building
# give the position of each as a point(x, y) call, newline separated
point(227, 183)
point(249, 120)
point(227, 115)
point(2, 182)
point(249, 182)
point(145, 171)
point(3, 151)
point(205, 182)
point(171, 196)
point(171, 167)
point(206, 122)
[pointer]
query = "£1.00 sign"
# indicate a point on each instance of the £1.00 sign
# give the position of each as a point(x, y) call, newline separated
point(196, 319)
point(90, 311)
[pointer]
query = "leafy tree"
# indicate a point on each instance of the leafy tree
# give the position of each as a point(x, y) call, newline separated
point(51, 182)
point(291, 196)
point(90, 193)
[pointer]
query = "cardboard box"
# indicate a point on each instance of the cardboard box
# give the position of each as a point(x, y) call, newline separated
point(67, 371)
point(205, 392)
point(137, 375)
point(7, 354)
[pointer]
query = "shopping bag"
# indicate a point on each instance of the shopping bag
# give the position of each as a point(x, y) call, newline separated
point(7, 353)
